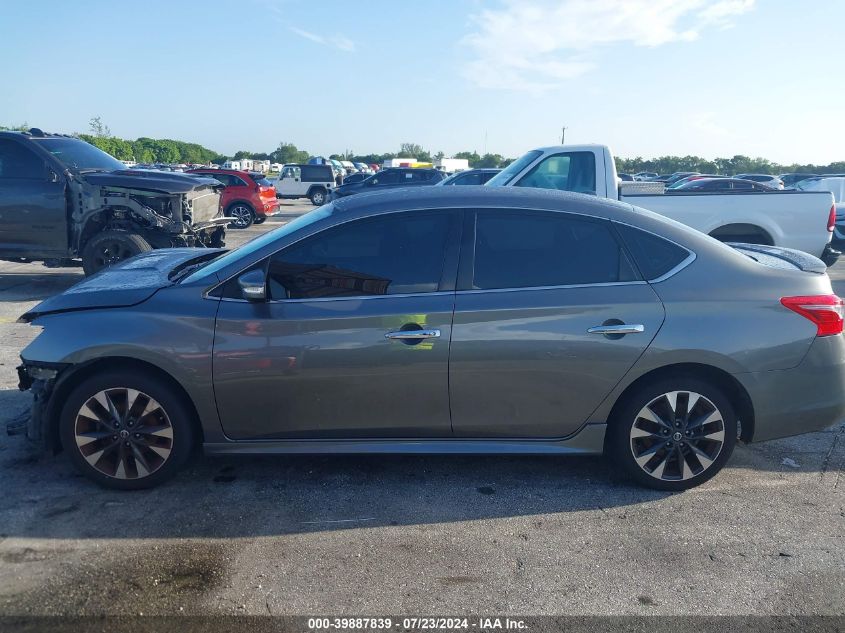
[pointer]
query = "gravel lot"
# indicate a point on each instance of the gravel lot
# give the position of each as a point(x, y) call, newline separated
point(413, 535)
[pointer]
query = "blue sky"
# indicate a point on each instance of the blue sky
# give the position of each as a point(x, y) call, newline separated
point(648, 77)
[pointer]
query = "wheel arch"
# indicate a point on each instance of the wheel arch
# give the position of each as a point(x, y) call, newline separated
point(74, 377)
point(240, 201)
point(741, 229)
point(733, 389)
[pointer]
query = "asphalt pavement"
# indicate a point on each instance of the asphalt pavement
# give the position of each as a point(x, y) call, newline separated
point(414, 535)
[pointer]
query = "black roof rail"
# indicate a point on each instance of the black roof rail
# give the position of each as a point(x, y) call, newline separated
point(34, 131)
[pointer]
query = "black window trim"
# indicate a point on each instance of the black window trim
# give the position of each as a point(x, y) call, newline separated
point(466, 265)
point(448, 276)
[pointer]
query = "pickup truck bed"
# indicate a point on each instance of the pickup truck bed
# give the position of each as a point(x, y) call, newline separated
point(799, 220)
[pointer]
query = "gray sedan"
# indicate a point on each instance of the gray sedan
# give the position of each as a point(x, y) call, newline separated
point(442, 320)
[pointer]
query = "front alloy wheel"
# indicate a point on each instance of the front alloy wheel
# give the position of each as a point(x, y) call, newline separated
point(124, 428)
point(123, 433)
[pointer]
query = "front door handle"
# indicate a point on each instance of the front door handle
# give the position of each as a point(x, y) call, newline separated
point(412, 335)
point(621, 328)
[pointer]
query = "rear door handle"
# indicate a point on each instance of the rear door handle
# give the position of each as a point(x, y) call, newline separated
point(412, 335)
point(622, 328)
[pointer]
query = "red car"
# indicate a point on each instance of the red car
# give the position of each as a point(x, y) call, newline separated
point(248, 197)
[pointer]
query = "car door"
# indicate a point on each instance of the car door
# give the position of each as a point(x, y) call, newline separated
point(535, 342)
point(33, 207)
point(353, 340)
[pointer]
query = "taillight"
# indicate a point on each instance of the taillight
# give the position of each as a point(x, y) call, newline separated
point(824, 310)
point(831, 219)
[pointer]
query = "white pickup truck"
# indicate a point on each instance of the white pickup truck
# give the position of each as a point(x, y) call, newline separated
point(802, 220)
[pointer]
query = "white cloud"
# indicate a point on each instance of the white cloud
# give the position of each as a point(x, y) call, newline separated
point(534, 45)
point(338, 41)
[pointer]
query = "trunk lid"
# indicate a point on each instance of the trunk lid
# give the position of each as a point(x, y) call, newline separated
point(126, 284)
point(779, 257)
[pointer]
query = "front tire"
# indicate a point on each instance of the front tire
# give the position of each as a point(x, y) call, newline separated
point(110, 247)
point(126, 430)
point(673, 434)
point(243, 215)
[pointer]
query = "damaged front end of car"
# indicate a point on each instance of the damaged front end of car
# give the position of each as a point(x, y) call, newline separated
point(167, 210)
point(40, 379)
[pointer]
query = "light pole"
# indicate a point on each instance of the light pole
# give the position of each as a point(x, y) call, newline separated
point(563, 135)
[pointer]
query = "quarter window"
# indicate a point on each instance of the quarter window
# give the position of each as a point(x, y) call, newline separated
point(390, 254)
point(653, 255)
point(522, 249)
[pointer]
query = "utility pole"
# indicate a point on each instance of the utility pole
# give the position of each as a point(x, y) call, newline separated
point(563, 135)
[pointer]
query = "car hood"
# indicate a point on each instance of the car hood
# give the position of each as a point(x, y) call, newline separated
point(126, 284)
point(162, 181)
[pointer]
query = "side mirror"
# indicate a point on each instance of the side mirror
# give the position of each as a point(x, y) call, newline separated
point(253, 285)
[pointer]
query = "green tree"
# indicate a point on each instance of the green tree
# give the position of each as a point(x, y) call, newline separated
point(489, 160)
point(412, 150)
point(288, 153)
point(472, 157)
point(98, 128)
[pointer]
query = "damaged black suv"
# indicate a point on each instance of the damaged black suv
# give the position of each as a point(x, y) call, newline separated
point(62, 200)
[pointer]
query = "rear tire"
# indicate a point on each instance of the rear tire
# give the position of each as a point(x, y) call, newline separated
point(126, 430)
point(110, 247)
point(661, 442)
point(243, 213)
point(318, 197)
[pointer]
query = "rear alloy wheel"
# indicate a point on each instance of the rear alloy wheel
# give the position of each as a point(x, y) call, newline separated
point(110, 247)
point(318, 197)
point(675, 435)
point(243, 215)
point(125, 433)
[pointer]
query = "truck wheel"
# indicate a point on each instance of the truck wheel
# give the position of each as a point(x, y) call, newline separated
point(110, 247)
point(318, 197)
point(242, 213)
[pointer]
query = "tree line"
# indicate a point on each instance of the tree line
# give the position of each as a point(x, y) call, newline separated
point(150, 150)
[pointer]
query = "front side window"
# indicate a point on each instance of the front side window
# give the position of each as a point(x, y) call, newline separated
point(470, 179)
point(505, 176)
point(386, 178)
point(17, 161)
point(569, 171)
point(391, 254)
point(523, 249)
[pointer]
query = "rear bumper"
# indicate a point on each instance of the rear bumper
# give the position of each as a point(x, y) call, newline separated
point(268, 207)
point(806, 398)
point(830, 255)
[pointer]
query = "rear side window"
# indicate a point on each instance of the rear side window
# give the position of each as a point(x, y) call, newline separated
point(653, 255)
point(524, 249)
point(316, 173)
point(391, 254)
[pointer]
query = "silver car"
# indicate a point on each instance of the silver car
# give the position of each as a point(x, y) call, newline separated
point(442, 320)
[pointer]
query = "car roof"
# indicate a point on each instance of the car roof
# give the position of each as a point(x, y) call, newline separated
point(474, 196)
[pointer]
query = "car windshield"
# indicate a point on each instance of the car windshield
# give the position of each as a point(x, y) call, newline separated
point(259, 242)
point(504, 176)
point(78, 155)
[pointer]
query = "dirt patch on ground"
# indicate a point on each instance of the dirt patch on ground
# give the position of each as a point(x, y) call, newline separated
point(119, 580)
